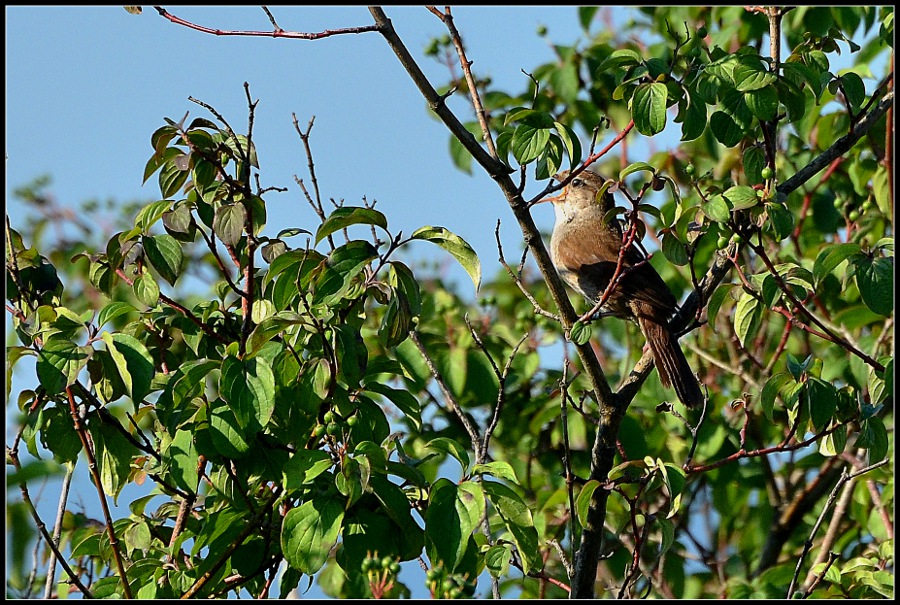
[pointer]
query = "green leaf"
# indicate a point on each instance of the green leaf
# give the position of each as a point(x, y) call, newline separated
point(830, 257)
point(499, 469)
point(741, 197)
point(229, 223)
point(497, 559)
point(580, 332)
point(146, 289)
point(266, 329)
point(550, 162)
point(752, 76)
point(226, 433)
point(692, 113)
point(341, 268)
point(179, 220)
point(529, 142)
point(726, 129)
point(564, 80)
point(623, 57)
point(763, 103)
point(854, 89)
point(674, 250)
point(303, 467)
point(59, 362)
point(351, 354)
point(747, 318)
point(636, 167)
point(586, 15)
point(873, 436)
point(781, 218)
point(571, 142)
point(449, 446)
point(151, 213)
point(796, 367)
point(875, 279)
point(453, 514)
point(397, 506)
point(716, 209)
point(113, 310)
point(248, 385)
point(404, 400)
point(134, 362)
point(113, 454)
point(174, 172)
point(821, 397)
point(456, 246)
point(181, 457)
point(673, 478)
point(162, 153)
point(345, 216)
point(583, 501)
point(58, 436)
point(648, 108)
point(397, 320)
point(833, 443)
point(165, 254)
point(310, 531)
point(667, 529)
point(401, 277)
point(716, 300)
point(517, 519)
point(754, 160)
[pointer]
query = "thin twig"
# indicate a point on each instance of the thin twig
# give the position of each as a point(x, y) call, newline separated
point(845, 477)
point(448, 396)
point(98, 483)
point(57, 529)
point(466, 65)
point(276, 33)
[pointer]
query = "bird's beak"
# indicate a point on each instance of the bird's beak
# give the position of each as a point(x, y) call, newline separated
point(554, 198)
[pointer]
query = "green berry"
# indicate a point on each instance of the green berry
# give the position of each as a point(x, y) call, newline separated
point(702, 32)
point(386, 562)
point(542, 30)
point(394, 568)
point(867, 205)
point(853, 216)
point(766, 173)
point(456, 593)
point(328, 417)
point(721, 242)
point(838, 203)
point(352, 421)
point(737, 239)
point(319, 431)
point(333, 429)
point(690, 170)
point(369, 564)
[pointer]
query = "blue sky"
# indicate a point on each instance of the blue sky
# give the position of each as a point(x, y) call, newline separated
point(86, 87)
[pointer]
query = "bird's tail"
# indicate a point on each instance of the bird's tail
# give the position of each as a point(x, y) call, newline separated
point(670, 362)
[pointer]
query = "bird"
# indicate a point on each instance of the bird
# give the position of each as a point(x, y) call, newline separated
point(585, 247)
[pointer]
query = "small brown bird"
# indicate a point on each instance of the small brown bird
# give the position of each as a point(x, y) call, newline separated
point(585, 250)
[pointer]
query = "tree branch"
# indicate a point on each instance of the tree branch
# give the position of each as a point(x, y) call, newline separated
point(275, 33)
point(839, 147)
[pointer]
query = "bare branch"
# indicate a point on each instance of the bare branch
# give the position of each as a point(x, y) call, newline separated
point(275, 33)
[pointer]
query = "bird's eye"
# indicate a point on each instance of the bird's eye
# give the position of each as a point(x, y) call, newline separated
point(577, 182)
